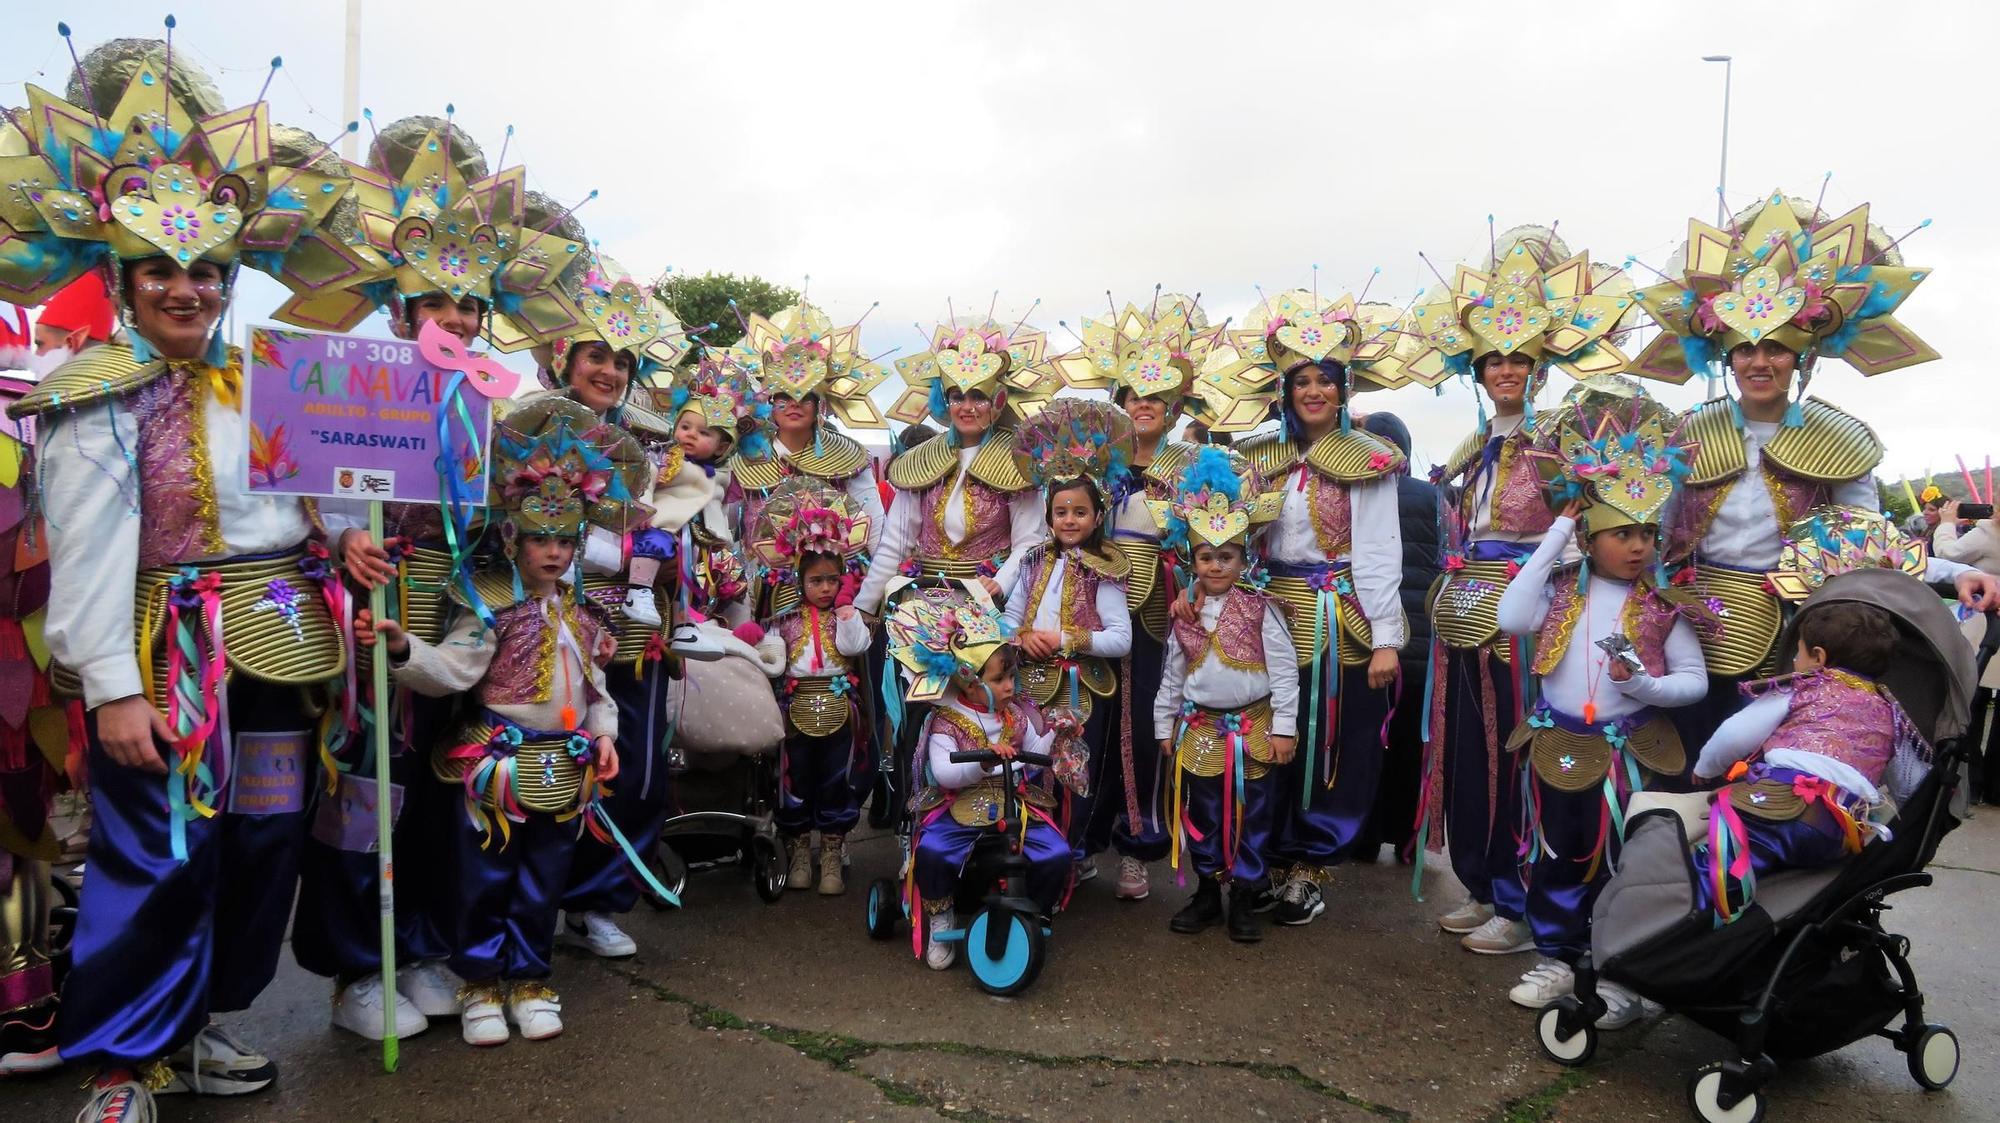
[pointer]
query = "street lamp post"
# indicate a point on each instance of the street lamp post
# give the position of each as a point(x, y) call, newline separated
point(1722, 177)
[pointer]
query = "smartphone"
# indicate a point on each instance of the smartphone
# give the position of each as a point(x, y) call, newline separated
point(1973, 512)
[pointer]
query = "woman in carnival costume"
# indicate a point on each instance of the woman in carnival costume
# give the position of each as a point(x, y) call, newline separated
point(436, 241)
point(1149, 359)
point(1068, 607)
point(961, 665)
point(627, 340)
point(1226, 712)
point(1783, 288)
point(810, 374)
point(1532, 308)
point(198, 753)
point(1334, 552)
point(811, 536)
point(1614, 651)
point(533, 758)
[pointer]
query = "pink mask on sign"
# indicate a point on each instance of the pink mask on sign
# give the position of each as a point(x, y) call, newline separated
point(442, 350)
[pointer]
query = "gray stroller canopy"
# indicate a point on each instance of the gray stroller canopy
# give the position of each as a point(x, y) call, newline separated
point(1932, 675)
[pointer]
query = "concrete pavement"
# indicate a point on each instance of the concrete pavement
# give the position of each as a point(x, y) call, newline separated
point(737, 1009)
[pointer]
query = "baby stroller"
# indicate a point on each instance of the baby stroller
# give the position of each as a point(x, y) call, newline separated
point(1807, 967)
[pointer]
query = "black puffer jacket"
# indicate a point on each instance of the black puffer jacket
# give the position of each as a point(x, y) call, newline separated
point(1417, 504)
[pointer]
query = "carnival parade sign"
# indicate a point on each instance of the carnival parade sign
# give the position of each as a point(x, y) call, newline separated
point(342, 416)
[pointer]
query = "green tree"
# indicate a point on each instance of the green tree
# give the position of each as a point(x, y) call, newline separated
point(1894, 503)
point(705, 300)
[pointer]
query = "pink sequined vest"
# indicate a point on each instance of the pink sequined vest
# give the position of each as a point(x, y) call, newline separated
point(1080, 589)
point(1840, 716)
point(516, 675)
point(176, 505)
point(1648, 619)
point(792, 629)
point(989, 529)
point(1239, 632)
point(1517, 504)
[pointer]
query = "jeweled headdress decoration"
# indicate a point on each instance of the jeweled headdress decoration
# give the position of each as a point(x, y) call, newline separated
point(1833, 540)
point(1075, 438)
point(558, 466)
point(939, 636)
point(804, 516)
point(1212, 505)
point(979, 355)
point(797, 352)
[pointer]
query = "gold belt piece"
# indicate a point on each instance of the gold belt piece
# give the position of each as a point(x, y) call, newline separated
point(1204, 747)
point(982, 804)
point(1356, 637)
point(1769, 800)
point(546, 778)
point(1465, 605)
point(1751, 618)
point(815, 710)
point(1048, 686)
point(1569, 761)
point(609, 593)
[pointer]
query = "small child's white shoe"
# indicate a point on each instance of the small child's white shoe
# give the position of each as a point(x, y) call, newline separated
point(536, 1009)
point(640, 607)
point(481, 1019)
point(939, 955)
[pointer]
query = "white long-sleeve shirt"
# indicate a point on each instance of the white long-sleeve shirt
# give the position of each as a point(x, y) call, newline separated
point(1745, 531)
point(1978, 547)
point(1024, 510)
point(1219, 686)
point(1375, 553)
point(1112, 641)
point(950, 775)
point(1581, 677)
point(91, 493)
point(1479, 527)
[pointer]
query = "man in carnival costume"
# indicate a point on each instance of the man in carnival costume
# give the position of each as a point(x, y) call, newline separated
point(439, 242)
point(1533, 307)
point(1784, 287)
point(141, 172)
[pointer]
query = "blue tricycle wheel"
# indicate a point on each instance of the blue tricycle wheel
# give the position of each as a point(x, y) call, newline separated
point(1020, 959)
point(885, 908)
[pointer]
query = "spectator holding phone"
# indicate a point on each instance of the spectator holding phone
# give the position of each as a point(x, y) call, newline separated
point(1978, 547)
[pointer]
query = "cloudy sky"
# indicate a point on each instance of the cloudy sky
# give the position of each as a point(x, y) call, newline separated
point(912, 152)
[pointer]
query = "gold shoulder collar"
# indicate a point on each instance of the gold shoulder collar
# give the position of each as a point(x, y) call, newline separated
point(760, 474)
point(1108, 563)
point(1466, 454)
point(1718, 453)
point(924, 465)
point(101, 372)
point(834, 457)
point(1354, 456)
point(994, 464)
point(495, 589)
point(1273, 454)
point(1170, 462)
point(1832, 446)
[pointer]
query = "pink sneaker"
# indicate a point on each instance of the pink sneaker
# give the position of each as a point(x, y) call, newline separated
point(1132, 882)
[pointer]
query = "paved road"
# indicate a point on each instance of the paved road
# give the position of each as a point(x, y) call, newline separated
point(736, 1009)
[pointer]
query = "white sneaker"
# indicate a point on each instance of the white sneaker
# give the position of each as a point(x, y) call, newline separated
point(536, 1009)
point(119, 1101)
point(1621, 1006)
point(640, 607)
point(688, 642)
point(1086, 871)
point(431, 987)
point(1499, 936)
point(1466, 918)
point(481, 1020)
point(215, 1063)
point(939, 954)
point(1544, 983)
point(357, 1008)
point(601, 936)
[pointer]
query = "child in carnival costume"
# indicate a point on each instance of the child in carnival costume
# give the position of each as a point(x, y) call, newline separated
point(159, 550)
point(1531, 307)
point(450, 250)
point(1149, 359)
point(1783, 288)
point(1226, 713)
point(1068, 608)
point(533, 757)
point(958, 657)
point(809, 374)
point(1818, 757)
point(1334, 552)
point(1614, 651)
point(811, 535)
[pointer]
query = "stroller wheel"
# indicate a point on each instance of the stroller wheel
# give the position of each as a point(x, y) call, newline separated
point(1705, 1098)
point(885, 908)
point(767, 869)
point(1020, 959)
point(1573, 1050)
point(1933, 1055)
point(672, 870)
